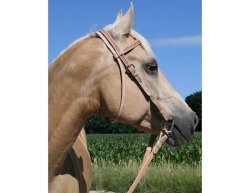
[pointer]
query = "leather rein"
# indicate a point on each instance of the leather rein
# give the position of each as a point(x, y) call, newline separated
point(120, 56)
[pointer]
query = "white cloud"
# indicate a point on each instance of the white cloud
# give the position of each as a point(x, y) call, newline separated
point(194, 40)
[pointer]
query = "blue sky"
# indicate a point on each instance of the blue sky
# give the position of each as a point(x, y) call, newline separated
point(172, 27)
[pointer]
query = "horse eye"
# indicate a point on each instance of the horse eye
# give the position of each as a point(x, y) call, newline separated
point(153, 67)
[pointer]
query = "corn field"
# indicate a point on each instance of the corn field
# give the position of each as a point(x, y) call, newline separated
point(126, 148)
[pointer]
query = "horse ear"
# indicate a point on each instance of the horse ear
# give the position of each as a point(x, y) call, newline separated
point(118, 17)
point(125, 24)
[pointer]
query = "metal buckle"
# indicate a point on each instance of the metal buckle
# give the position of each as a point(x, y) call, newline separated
point(131, 70)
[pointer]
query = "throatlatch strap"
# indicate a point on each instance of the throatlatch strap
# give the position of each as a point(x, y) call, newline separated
point(113, 51)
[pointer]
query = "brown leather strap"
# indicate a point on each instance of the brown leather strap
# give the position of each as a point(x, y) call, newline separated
point(160, 107)
point(162, 138)
point(149, 148)
point(130, 68)
point(119, 54)
point(113, 51)
point(122, 59)
point(131, 46)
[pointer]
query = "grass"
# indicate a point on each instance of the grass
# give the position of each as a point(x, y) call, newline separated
point(160, 178)
point(117, 148)
point(116, 159)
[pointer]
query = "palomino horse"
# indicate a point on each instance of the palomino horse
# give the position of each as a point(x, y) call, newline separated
point(85, 80)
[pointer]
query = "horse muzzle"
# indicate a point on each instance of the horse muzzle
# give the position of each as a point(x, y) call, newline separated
point(180, 133)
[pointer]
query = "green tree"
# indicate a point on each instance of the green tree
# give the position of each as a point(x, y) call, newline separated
point(98, 124)
point(194, 101)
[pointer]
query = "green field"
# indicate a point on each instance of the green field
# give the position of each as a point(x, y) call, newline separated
point(118, 148)
point(116, 159)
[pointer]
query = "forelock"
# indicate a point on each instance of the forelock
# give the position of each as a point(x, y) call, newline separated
point(143, 41)
point(134, 34)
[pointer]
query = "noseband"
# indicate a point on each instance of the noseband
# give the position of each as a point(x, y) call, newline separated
point(122, 60)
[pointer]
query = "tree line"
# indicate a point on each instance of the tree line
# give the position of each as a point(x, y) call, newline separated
point(98, 124)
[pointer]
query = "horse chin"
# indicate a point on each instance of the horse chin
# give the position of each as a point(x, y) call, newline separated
point(176, 138)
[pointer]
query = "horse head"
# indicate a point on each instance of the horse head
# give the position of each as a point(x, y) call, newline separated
point(137, 109)
point(88, 78)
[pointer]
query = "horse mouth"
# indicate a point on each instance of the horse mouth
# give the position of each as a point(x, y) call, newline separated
point(176, 136)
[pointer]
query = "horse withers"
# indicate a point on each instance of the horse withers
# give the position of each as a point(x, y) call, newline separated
point(85, 79)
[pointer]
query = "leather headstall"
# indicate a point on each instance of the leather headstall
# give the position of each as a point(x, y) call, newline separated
point(121, 58)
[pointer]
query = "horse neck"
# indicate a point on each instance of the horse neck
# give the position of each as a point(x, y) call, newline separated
point(72, 99)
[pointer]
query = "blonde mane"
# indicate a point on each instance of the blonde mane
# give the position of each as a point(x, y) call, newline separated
point(143, 41)
point(74, 43)
point(133, 33)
